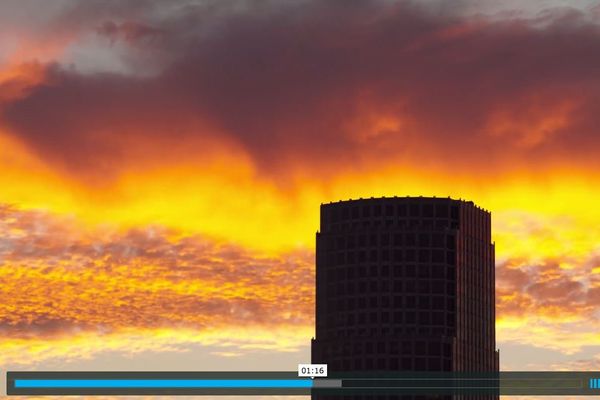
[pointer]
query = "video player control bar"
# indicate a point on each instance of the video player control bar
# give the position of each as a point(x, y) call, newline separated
point(288, 383)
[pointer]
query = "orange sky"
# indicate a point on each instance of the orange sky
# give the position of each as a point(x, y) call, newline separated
point(162, 168)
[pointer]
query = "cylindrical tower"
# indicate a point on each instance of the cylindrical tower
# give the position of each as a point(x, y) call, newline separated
point(405, 284)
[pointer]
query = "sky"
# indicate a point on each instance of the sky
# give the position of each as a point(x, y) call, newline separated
point(162, 166)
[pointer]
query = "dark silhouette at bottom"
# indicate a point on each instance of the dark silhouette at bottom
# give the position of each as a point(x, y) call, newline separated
point(405, 284)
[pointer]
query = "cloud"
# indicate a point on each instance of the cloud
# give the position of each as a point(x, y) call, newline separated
point(371, 82)
point(59, 280)
point(129, 31)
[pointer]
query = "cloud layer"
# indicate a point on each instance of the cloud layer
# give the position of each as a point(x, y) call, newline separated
point(60, 284)
point(370, 82)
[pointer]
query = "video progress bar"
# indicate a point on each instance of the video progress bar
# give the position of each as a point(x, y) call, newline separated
point(288, 383)
point(164, 383)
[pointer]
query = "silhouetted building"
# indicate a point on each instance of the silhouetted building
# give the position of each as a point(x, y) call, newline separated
point(405, 284)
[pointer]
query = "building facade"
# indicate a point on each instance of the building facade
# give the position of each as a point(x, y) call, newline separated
point(405, 284)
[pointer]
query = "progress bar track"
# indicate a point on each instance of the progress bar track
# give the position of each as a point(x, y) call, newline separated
point(288, 383)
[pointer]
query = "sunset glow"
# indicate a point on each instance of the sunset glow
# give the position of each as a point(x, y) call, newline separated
point(162, 168)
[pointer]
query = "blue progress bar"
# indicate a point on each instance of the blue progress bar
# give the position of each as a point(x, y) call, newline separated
point(163, 383)
point(594, 383)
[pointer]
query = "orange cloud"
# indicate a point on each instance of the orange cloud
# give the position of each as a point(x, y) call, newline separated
point(64, 288)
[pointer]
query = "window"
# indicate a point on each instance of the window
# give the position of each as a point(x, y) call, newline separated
point(398, 239)
point(362, 288)
point(437, 271)
point(362, 318)
point(450, 242)
point(447, 350)
point(373, 271)
point(362, 302)
point(345, 213)
point(362, 271)
point(385, 255)
point(373, 240)
point(362, 240)
point(437, 256)
point(397, 255)
point(351, 274)
point(450, 289)
point(398, 270)
point(397, 317)
point(441, 223)
point(435, 364)
point(437, 240)
point(454, 212)
point(377, 210)
point(385, 286)
point(402, 210)
point(397, 301)
point(362, 257)
point(373, 256)
point(389, 210)
point(434, 349)
point(414, 210)
point(441, 211)
point(437, 286)
point(366, 211)
point(437, 302)
point(351, 257)
point(427, 210)
point(385, 239)
point(385, 317)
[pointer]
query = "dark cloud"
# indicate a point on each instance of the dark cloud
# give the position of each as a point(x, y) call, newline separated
point(312, 84)
point(131, 32)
